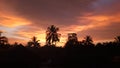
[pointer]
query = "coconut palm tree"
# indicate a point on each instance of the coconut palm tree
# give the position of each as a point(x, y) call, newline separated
point(88, 40)
point(52, 36)
point(34, 42)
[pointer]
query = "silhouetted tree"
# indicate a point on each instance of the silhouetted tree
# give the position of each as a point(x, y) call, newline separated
point(1, 33)
point(3, 39)
point(15, 44)
point(52, 36)
point(72, 40)
point(88, 41)
point(99, 45)
point(117, 39)
point(34, 43)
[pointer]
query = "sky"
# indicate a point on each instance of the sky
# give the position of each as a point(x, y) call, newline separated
point(20, 20)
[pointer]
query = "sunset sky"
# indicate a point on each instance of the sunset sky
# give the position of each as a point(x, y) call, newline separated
point(22, 19)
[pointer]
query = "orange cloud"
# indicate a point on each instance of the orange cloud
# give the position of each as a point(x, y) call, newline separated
point(9, 18)
point(99, 21)
point(12, 21)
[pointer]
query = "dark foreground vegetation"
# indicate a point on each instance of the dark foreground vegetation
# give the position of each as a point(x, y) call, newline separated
point(101, 55)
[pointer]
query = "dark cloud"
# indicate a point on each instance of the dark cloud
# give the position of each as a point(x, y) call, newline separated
point(106, 7)
point(43, 12)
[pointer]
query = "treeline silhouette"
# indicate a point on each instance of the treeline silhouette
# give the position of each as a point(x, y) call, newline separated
point(78, 54)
